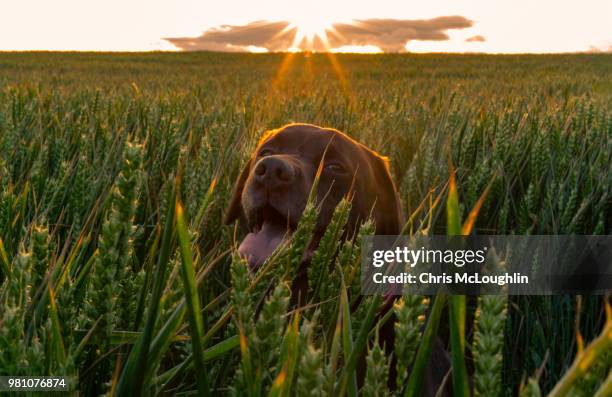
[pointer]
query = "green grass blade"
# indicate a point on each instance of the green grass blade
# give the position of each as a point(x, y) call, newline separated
point(193, 301)
point(6, 267)
point(453, 215)
point(288, 359)
point(131, 381)
point(293, 342)
point(205, 203)
point(335, 351)
point(359, 346)
point(164, 337)
point(86, 339)
point(57, 344)
point(124, 337)
point(167, 330)
point(469, 223)
point(276, 390)
point(415, 381)
point(457, 312)
point(84, 272)
point(212, 353)
point(456, 303)
point(584, 360)
point(142, 299)
point(347, 336)
point(221, 348)
point(250, 377)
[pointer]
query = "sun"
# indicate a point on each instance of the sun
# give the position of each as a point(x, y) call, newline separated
point(308, 28)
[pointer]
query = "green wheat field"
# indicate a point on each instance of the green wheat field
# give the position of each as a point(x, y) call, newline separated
point(116, 269)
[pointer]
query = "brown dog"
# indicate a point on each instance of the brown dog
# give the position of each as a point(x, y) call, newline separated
point(272, 190)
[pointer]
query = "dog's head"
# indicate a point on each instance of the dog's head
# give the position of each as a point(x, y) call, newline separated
point(272, 190)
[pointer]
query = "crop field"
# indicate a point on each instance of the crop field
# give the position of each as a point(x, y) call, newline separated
point(117, 270)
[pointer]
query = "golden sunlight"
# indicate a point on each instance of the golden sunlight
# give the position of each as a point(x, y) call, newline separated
point(309, 27)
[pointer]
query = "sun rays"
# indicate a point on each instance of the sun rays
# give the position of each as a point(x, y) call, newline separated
point(308, 29)
point(315, 34)
point(310, 36)
point(310, 33)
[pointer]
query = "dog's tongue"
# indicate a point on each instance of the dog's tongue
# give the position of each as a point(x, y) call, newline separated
point(258, 246)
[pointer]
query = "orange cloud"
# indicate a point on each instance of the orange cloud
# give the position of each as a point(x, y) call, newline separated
point(273, 36)
point(475, 39)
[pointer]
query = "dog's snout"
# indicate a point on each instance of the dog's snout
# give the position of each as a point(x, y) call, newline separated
point(273, 172)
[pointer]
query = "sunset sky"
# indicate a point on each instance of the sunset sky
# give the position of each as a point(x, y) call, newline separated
point(516, 26)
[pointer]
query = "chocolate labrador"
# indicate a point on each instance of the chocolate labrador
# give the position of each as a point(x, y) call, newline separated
point(272, 190)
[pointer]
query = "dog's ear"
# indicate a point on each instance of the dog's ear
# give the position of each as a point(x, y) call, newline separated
point(387, 213)
point(234, 209)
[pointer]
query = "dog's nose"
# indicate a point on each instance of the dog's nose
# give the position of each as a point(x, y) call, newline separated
point(272, 172)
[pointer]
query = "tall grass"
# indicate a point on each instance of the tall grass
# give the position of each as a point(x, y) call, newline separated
point(114, 266)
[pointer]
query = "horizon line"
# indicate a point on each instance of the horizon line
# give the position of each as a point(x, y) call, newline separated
point(586, 52)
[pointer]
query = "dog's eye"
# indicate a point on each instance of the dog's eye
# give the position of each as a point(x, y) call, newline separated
point(334, 167)
point(266, 152)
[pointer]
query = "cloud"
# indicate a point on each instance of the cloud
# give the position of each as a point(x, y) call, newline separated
point(475, 39)
point(390, 35)
point(599, 49)
point(262, 34)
